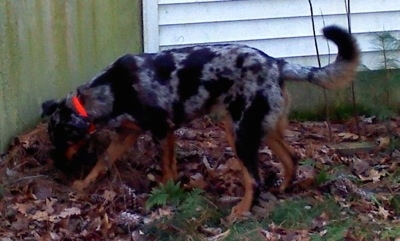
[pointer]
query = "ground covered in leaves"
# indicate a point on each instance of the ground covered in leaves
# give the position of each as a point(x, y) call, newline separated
point(347, 188)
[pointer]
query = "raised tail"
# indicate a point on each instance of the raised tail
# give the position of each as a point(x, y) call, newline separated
point(337, 74)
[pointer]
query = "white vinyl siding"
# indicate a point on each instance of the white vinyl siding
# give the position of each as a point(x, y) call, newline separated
point(281, 28)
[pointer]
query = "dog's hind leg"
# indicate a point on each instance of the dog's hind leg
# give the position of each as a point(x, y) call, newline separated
point(283, 151)
point(168, 161)
point(125, 138)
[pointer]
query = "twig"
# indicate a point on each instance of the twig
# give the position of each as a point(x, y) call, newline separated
point(27, 177)
point(319, 65)
point(353, 92)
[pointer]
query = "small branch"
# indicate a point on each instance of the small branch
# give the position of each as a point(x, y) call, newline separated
point(27, 177)
point(319, 65)
point(353, 92)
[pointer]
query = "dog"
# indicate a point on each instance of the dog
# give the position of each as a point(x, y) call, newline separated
point(160, 92)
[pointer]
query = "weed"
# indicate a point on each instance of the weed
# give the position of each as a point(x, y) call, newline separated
point(191, 210)
point(395, 177)
point(390, 233)
point(395, 203)
point(166, 194)
point(325, 174)
point(300, 213)
point(394, 144)
point(334, 231)
point(245, 230)
point(1, 192)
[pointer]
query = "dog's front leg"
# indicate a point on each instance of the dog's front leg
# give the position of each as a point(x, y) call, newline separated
point(168, 161)
point(124, 139)
point(250, 174)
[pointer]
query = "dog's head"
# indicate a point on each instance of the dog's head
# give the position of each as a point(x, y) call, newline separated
point(68, 129)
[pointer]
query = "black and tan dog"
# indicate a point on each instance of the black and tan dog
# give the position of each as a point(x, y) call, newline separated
point(161, 92)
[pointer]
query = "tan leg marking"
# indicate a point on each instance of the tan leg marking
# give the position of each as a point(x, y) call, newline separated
point(168, 161)
point(244, 205)
point(120, 143)
point(248, 181)
point(283, 151)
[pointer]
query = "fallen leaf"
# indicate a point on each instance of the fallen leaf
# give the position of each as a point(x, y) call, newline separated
point(40, 216)
point(197, 181)
point(360, 166)
point(348, 136)
point(373, 175)
point(49, 205)
point(109, 195)
point(23, 208)
point(383, 212)
point(106, 225)
point(384, 142)
point(69, 212)
point(20, 224)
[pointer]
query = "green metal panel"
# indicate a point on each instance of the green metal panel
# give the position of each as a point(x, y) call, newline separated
point(48, 47)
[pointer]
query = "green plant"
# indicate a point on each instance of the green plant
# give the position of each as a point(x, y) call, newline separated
point(386, 44)
point(390, 233)
point(1, 192)
point(299, 213)
point(172, 194)
point(324, 175)
point(192, 204)
point(245, 230)
point(394, 144)
point(395, 177)
point(166, 194)
point(334, 231)
point(192, 210)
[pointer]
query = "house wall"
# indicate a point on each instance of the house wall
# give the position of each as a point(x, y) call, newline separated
point(49, 47)
point(280, 28)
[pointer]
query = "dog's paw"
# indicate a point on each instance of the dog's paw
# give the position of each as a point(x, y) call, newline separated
point(79, 185)
point(236, 215)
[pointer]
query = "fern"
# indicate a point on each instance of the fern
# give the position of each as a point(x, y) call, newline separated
point(192, 203)
point(192, 211)
point(165, 194)
point(173, 194)
point(157, 198)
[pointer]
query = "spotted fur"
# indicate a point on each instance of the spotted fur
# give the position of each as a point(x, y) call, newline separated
point(163, 91)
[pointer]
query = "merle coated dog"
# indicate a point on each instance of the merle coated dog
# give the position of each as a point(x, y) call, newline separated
point(161, 92)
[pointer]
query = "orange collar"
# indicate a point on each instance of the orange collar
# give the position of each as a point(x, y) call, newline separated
point(79, 107)
point(82, 112)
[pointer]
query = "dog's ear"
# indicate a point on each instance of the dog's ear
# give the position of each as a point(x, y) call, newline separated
point(49, 106)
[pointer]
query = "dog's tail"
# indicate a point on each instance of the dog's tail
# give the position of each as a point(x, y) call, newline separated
point(334, 75)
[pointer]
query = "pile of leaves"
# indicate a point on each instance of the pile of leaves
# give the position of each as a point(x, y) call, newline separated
point(342, 180)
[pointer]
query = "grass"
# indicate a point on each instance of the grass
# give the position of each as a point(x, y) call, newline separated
point(374, 97)
point(245, 230)
point(300, 212)
point(334, 231)
point(345, 112)
point(322, 217)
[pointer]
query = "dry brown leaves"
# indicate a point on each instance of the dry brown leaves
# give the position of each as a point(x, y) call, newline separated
point(38, 203)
